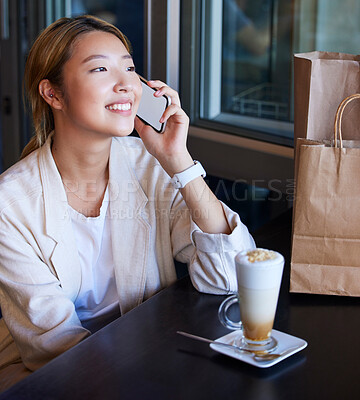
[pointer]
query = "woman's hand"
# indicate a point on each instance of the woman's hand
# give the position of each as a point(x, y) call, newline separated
point(170, 150)
point(168, 147)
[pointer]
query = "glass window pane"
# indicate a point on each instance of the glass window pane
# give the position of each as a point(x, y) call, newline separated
point(247, 49)
point(246, 58)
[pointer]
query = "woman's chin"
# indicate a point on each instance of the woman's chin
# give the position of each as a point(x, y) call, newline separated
point(124, 132)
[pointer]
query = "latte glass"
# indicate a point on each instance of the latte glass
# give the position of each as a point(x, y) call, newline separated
point(259, 274)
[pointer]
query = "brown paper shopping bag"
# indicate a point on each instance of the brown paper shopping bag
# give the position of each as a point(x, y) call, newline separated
point(321, 81)
point(326, 228)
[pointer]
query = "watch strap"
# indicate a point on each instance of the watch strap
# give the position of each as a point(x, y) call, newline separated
point(181, 179)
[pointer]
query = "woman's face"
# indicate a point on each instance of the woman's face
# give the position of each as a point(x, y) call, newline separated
point(101, 88)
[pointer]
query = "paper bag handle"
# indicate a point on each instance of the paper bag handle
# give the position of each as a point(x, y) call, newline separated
point(338, 118)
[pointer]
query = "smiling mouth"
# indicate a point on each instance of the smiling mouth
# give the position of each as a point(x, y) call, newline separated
point(120, 107)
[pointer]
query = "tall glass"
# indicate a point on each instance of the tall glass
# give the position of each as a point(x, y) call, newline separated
point(259, 274)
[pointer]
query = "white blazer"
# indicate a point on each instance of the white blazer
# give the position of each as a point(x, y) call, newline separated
point(40, 272)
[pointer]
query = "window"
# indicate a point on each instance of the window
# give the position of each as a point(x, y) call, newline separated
point(242, 57)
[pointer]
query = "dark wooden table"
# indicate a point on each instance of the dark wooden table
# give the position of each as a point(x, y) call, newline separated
point(140, 356)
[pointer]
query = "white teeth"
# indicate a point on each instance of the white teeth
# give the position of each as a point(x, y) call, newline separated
point(122, 107)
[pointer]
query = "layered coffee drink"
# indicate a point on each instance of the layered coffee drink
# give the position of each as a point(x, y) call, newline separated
point(258, 288)
point(259, 274)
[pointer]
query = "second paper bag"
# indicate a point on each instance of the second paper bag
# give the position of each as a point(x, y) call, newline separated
point(326, 228)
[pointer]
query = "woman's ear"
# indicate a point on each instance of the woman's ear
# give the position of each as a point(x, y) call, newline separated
point(49, 94)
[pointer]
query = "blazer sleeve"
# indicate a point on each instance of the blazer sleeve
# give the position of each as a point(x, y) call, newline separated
point(40, 317)
point(210, 257)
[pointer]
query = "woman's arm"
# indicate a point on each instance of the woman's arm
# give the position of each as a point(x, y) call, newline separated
point(205, 209)
point(170, 150)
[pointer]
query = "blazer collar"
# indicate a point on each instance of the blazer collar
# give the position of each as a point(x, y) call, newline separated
point(130, 229)
point(125, 190)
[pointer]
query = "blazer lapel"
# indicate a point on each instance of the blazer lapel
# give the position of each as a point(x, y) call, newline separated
point(130, 230)
point(65, 258)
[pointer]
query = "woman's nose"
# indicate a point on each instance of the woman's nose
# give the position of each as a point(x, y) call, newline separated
point(123, 86)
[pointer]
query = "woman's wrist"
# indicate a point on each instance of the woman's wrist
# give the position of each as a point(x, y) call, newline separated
point(177, 163)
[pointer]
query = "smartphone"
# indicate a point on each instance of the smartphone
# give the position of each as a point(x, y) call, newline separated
point(151, 108)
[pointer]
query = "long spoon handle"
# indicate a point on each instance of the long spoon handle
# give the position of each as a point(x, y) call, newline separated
point(202, 339)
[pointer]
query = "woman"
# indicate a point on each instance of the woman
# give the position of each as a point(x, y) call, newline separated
point(90, 221)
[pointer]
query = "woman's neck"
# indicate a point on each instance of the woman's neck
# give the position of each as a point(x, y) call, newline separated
point(84, 170)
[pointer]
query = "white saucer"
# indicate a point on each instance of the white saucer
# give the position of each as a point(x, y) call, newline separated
point(285, 342)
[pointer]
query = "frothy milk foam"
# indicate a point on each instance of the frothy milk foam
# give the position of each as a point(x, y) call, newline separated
point(259, 276)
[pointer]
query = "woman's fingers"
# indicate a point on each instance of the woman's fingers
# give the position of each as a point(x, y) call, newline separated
point(174, 109)
point(163, 89)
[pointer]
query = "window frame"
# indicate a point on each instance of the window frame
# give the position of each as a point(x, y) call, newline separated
point(194, 76)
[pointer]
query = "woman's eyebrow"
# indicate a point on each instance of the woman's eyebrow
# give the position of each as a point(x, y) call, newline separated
point(102, 56)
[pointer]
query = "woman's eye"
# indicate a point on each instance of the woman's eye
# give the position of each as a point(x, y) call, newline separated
point(130, 69)
point(99, 69)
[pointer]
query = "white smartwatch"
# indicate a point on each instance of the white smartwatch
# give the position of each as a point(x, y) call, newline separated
point(182, 178)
